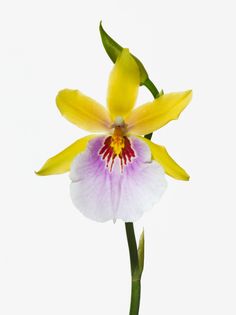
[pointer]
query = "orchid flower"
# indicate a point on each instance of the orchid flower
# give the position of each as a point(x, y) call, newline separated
point(117, 173)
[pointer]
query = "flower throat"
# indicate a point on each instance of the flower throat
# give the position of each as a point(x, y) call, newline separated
point(117, 146)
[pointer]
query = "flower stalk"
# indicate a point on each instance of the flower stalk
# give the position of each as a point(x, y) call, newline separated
point(135, 269)
point(155, 93)
point(152, 88)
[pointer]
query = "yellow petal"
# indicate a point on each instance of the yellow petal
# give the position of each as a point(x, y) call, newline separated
point(123, 85)
point(61, 162)
point(152, 116)
point(160, 154)
point(83, 111)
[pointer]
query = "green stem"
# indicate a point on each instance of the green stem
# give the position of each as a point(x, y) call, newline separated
point(155, 93)
point(135, 273)
point(135, 297)
point(152, 88)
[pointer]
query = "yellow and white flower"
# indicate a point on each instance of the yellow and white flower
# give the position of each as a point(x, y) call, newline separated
point(117, 174)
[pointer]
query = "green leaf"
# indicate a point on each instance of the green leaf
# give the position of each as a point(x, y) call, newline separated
point(113, 50)
point(141, 253)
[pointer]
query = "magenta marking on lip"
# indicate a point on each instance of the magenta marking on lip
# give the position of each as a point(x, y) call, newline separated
point(107, 153)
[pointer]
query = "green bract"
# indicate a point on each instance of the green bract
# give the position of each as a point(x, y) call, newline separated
point(141, 253)
point(113, 50)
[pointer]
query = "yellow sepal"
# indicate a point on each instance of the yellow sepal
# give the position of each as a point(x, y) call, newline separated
point(83, 111)
point(152, 116)
point(61, 162)
point(123, 85)
point(160, 154)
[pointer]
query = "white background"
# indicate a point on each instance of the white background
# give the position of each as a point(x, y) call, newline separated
point(52, 259)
